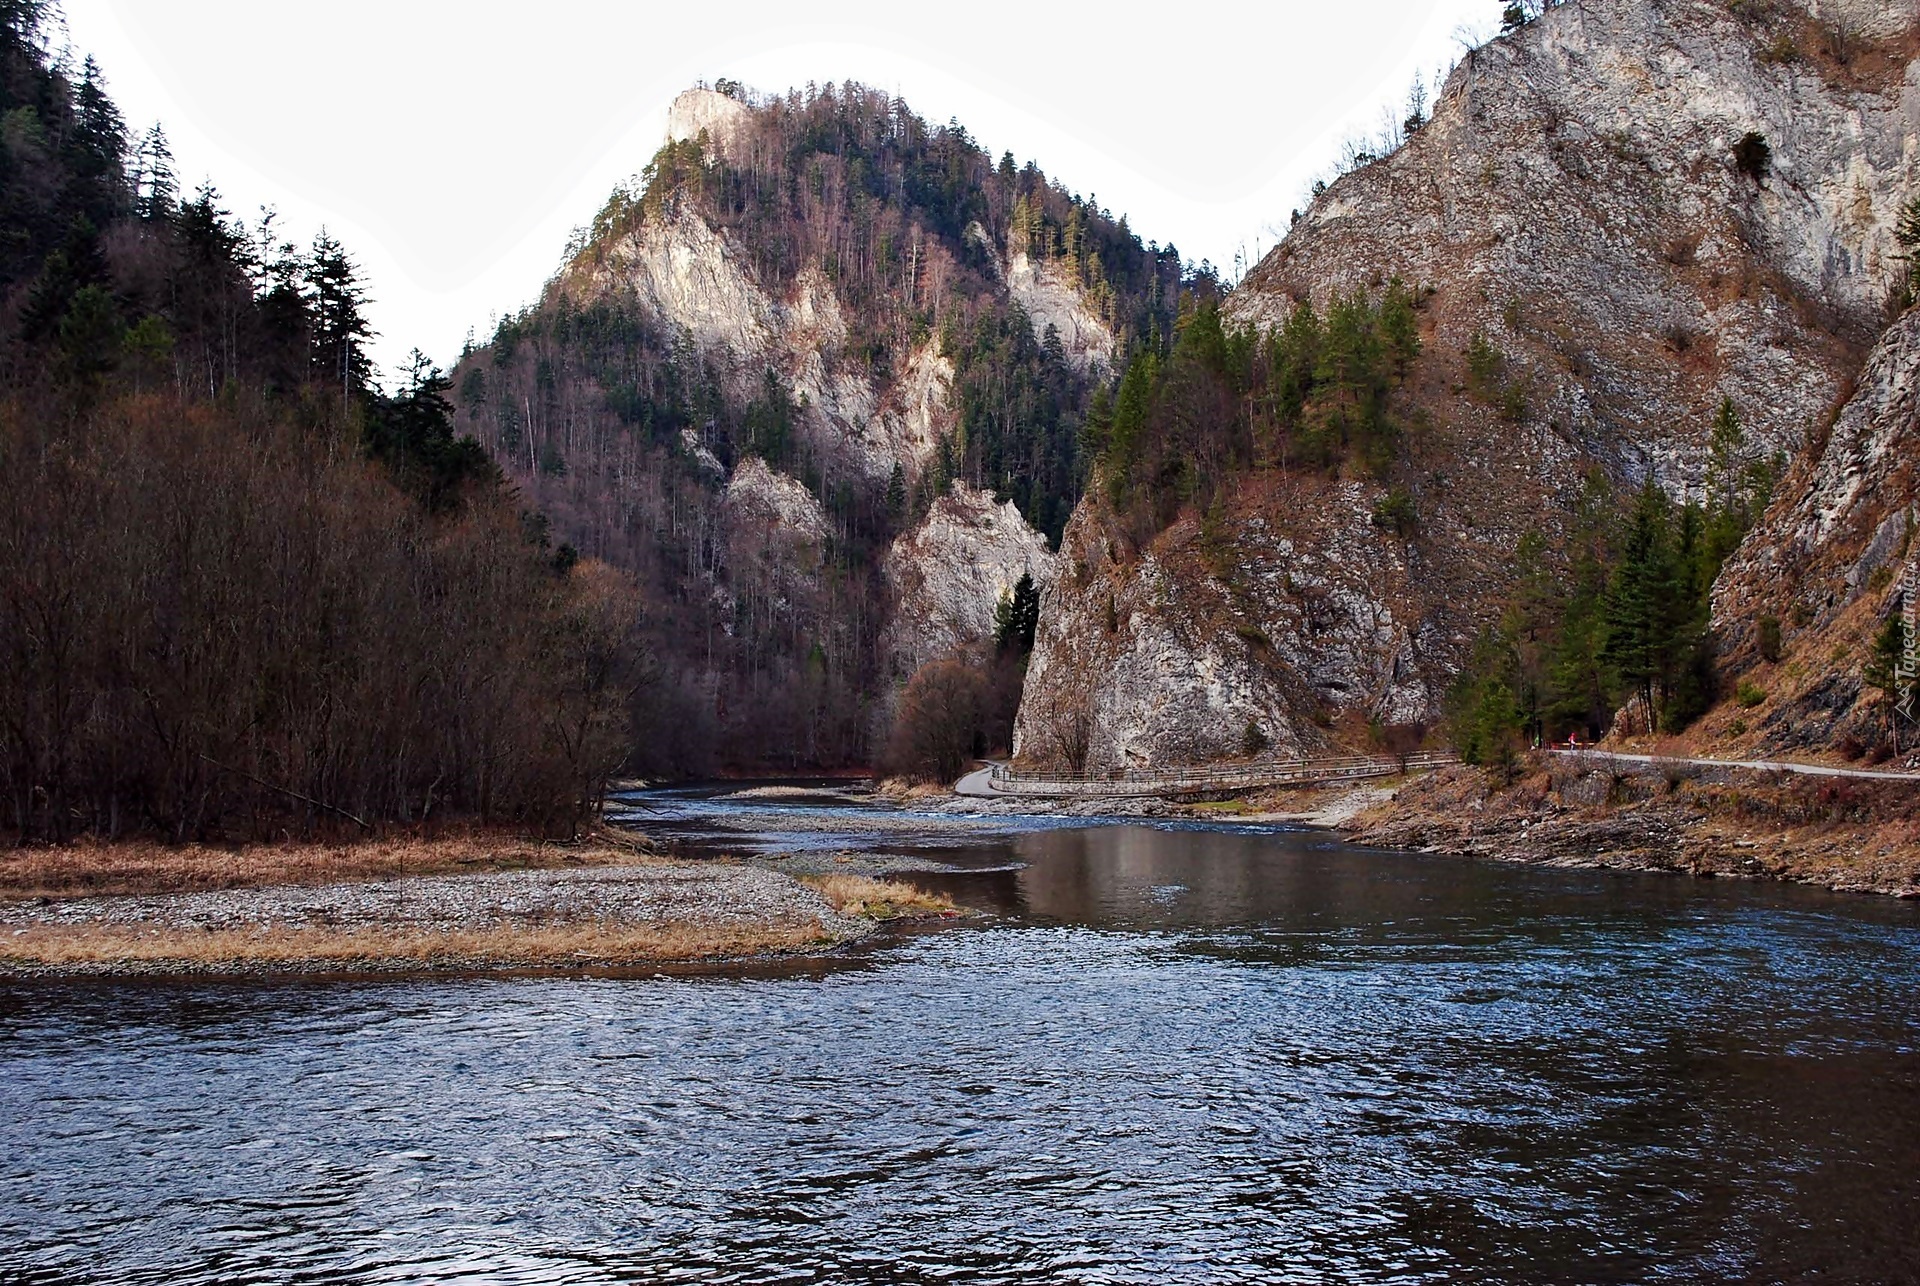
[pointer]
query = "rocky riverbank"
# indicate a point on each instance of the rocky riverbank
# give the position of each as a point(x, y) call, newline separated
point(1845, 833)
point(458, 904)
point(1842, 833)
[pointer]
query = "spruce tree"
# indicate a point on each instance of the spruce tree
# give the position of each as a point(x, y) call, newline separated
point(897, 495)
point(156, 189)
point(1640, 598)
point(336, 301)
point(1017, 617)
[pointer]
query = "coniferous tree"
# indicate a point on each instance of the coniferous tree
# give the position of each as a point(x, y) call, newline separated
point(156, 188)
point(897, 495)
point(336, 304)
point(1882, 671)
point(412, 434)
point(1640, 600)
point(99, 147)
point(1017, 617)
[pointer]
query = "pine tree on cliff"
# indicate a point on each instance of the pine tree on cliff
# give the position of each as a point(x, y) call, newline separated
point(1017, 617)
point(1129, 423)
point(1641, 599)
point(897, 495)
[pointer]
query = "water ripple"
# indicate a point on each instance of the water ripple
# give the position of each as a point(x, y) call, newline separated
point(1175, 1057)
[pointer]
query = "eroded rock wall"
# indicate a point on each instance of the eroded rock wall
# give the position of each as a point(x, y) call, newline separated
point(947, 574)
point(1826, 564)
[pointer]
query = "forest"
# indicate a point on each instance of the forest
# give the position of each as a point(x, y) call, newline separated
point(1620, 619)
point(244, 591)
point(1216, 403)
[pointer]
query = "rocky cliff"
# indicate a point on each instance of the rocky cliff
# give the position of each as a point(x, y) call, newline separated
point(1824, 568)
point(947, 574)
point(1619, 214)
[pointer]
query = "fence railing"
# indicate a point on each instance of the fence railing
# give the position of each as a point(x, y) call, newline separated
point(1196, 781)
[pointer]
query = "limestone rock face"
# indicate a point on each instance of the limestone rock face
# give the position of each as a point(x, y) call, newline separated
point(1050, 299)
point(696, 283)
point(687, 275)
point(1827, 563)
point(1844, 513)
point(776, 539)
point(948, 573)
point(1169, 658)
point(720, 117)
point(1578, 198)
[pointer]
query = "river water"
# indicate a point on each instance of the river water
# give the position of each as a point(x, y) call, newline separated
point(1165, 1055)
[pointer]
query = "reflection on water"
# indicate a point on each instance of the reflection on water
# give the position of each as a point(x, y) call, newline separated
point(1169, 1056)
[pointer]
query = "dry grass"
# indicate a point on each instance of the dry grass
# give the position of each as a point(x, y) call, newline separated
point(879, 899)
point(92, 869)
point(1856, 835)
point(590, 943)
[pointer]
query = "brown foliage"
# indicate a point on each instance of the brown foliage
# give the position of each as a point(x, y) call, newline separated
point(219, 619)
point(576, 945)
point(937, 729)
point(92, 868)
point(860, 895)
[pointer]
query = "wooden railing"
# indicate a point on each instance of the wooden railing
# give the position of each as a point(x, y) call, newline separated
point(1258, 775)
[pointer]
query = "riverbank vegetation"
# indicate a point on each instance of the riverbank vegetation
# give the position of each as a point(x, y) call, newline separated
point(1617, 618)
point(92, 867)
point(121, 951)
point(243, 590)
point(958, 708)
point(476, 900)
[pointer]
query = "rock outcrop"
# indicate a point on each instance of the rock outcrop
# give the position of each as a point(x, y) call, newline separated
point(696, 282)
point(1188, 653)
point(1646, 205)
point(947, 575)
point(1825, 567)
point(1640, 207)
point(1053, 302)
point(721, 117)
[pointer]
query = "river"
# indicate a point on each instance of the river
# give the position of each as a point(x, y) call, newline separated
point(1164, 1054)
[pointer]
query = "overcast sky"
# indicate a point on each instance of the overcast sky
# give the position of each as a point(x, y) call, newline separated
point(453, 147)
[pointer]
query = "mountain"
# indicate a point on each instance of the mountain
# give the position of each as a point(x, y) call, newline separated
point(1627, 222)
point(820, 365)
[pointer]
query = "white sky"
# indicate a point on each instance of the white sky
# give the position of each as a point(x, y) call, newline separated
point(453, 147)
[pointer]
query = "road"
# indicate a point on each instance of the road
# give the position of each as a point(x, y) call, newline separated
point(1759, 765)
point(979, 783)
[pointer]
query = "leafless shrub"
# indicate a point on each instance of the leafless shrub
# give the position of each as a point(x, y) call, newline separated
point(1675, 772)
point(937, 727)
point(219, 620)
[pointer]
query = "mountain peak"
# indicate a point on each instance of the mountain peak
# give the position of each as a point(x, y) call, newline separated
point(720, 115)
